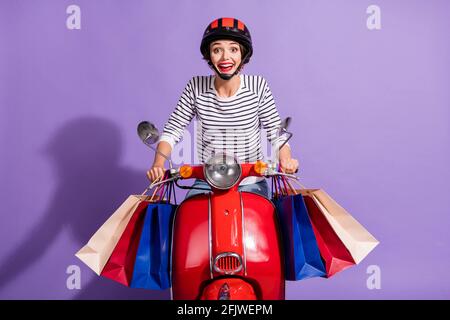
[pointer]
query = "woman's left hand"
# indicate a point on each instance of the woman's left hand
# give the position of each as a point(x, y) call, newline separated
point(289, 165)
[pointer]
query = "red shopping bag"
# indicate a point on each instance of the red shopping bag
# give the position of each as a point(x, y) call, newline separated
point(333, 251)
point(121, 262)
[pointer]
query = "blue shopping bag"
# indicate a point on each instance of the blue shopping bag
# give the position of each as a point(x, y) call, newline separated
point(152, 264)
point(301, 252)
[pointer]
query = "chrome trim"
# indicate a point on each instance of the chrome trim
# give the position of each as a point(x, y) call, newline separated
point(210, 236)
point(243, 234)
point(224, 255)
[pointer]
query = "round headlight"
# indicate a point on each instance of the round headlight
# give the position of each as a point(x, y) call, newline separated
point(222, 171)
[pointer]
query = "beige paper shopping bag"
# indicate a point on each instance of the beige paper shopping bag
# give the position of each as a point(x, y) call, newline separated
point(358, 241)
point(96, 252)
point(355, 237)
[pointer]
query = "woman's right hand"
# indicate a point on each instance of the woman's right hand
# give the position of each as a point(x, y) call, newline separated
point(155, 172)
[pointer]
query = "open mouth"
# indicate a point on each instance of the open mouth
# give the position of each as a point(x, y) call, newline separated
point(225, 67)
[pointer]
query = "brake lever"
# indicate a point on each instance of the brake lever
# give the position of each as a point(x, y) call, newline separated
point(272, 173)
point(293, 176)
point(164, 181)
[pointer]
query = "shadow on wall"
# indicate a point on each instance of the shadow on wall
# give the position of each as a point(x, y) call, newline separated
point(86, 153)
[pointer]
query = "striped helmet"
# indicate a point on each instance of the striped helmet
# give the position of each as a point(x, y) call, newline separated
point(227, 28)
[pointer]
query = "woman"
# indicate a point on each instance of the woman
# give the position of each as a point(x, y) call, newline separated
point(231, 108)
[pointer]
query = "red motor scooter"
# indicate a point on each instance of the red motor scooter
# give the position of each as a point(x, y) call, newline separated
point(226, 244)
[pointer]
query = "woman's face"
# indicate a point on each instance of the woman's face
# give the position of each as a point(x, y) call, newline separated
point(225, 55)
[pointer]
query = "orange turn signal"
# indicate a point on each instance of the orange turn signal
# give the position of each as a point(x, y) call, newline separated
point(186, 171)
point(260, 167)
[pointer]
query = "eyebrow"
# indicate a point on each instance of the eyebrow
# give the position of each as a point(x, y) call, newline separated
point(217, 43)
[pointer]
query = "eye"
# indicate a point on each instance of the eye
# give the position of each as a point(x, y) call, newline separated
point(234, 49)
point(216, 50)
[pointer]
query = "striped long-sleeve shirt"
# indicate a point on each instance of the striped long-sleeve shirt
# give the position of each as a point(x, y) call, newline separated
point(231, 124)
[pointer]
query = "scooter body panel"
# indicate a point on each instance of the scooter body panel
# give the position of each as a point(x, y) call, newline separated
point(190, 248)
point(207, 226)
point(263, 246)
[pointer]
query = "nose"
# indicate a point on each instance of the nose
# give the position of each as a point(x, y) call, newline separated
point(225, 55)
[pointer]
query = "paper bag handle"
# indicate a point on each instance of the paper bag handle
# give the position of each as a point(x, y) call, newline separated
point(294, 191)
point(154, 191)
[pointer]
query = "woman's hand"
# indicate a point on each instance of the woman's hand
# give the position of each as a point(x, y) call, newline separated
point(155, 172)
point(289, 165)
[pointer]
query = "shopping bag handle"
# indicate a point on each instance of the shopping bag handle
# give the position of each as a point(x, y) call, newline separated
point(152, 186)
point(287, 182)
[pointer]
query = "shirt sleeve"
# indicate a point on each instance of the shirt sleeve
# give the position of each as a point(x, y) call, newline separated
point(269, 117)
point(180, 117)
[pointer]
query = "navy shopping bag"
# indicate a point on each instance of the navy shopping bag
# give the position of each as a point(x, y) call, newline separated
point(152, 264)
point(301, 252)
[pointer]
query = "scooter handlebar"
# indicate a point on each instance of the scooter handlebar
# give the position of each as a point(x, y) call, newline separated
point(259, 169)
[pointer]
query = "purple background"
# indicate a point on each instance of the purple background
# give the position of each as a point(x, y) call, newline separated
point(371, 127)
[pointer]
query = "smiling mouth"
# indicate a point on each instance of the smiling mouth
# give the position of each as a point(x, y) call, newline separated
point(225, 67)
